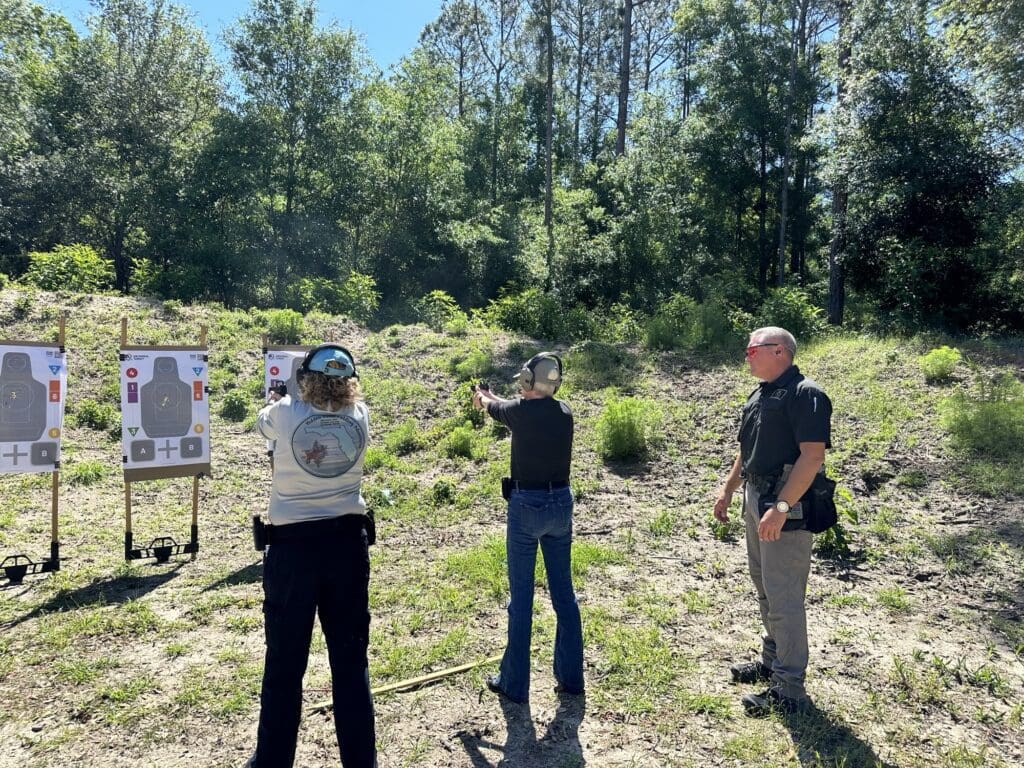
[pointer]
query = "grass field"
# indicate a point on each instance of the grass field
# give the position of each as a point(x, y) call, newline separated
point(915, 616)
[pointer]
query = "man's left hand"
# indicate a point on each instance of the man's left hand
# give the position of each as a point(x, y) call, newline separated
point(770, 528)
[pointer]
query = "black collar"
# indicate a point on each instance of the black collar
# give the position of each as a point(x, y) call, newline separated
point(781, 381)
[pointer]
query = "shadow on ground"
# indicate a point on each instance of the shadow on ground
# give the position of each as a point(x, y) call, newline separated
point(821, 739)
point(559, 745)
point(113, 590)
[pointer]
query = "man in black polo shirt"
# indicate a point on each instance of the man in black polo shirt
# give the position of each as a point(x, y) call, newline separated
point(783, 435)
point(539, 511)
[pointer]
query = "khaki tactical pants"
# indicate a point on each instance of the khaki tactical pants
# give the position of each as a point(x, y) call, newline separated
point(779, 570)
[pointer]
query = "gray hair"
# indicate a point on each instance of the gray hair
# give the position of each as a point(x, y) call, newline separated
point(774, 335)
point(545, 388)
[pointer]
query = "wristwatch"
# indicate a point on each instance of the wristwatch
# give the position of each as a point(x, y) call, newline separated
point(782, 506)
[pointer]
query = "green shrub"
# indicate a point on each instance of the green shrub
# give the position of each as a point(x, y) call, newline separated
point(791, 308)
point(442, 492)
point(989, 422)
point(461, 442)
point(86, 472)
point(939, 364)
point(436, 308)
point(285, 326)
point(93, 415)
point(5, 280)
point(540, 315)
point(672, 326)
point(625, 429)
point(475, 365)
point(235, 405)
point(356, 296)
point(404, 439)
point(458, 325)
point(69, 268)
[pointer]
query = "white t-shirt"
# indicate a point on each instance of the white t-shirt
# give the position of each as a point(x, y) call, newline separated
point(318, 461)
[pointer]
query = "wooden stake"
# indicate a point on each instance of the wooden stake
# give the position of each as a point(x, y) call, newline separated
point(415, 682)
point(124, 332)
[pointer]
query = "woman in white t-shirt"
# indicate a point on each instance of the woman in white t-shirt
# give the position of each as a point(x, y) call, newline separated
point(317, 559)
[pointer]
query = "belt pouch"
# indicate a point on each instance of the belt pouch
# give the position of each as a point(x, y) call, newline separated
point(506, 488)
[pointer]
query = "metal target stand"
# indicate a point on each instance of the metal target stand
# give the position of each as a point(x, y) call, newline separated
point(16, 567)
point(162, 548)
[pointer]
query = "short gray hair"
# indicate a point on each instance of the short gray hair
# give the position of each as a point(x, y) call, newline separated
point(774, 335)
point(545, 388)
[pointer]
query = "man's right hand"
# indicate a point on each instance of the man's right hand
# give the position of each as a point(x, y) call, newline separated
point(722, 507)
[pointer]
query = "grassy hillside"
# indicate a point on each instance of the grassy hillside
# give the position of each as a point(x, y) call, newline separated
point(917, 645)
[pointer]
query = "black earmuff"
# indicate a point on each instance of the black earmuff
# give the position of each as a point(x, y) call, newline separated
point(303, 368)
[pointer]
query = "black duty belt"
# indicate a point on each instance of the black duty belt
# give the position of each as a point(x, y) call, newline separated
point(310, 529)
point(554, 485)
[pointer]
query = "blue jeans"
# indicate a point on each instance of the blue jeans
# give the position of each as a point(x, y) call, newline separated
point(543, 517)
point(318, 567)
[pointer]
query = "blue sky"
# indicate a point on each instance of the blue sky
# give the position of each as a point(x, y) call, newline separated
point(389, 28)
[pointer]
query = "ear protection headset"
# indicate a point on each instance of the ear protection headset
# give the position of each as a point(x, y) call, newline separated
point(528, 375)
point(303, 369)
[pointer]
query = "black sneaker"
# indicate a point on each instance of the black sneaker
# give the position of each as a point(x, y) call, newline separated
point(764, 703)
point(750, 672)
point(493, 683)
point(562, 688)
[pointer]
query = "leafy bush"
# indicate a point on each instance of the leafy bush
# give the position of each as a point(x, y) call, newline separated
point(682, 323)
point(939, 364)
point(442, 492)
point(436, 308)
point(5, 280)
point(356, 296)
point(93, 415)
point(69, 268)
point(625, 429)
point(235, 406)
point(285, 326)
point(476, 364)
point(791, 308)
point(404, 439)
point(991, 421)
point(672, 325)
point(458, 325)
point(461, 442)
point(540, 315)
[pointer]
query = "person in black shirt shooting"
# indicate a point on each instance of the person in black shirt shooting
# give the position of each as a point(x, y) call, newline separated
point(540, 508)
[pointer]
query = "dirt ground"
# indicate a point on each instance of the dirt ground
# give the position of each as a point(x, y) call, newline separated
point(917, 646)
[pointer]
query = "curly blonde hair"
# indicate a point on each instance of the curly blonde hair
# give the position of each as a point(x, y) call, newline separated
point(329, 393)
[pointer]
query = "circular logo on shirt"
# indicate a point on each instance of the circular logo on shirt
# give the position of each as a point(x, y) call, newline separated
point(328, 444)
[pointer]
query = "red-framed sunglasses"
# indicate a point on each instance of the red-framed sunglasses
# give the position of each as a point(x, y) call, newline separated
point(752, 349)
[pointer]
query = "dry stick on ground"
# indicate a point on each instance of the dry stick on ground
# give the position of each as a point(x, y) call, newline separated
point(414, 682)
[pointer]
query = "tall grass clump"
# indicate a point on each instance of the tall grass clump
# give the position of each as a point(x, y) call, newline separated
point(93, 415)
point(404, 439)
point(939, 364)
point(626, 429)
point(987, 426)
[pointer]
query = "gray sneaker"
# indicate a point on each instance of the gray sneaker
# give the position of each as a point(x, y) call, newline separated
point(750, 672)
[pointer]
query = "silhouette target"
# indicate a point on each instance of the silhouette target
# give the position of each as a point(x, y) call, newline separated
point(165, 401)
point(22, 400)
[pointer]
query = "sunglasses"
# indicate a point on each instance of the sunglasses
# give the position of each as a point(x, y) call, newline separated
point(752, 349)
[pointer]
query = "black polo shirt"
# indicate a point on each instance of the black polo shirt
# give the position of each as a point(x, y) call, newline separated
point(541, 438)
point(778, 416)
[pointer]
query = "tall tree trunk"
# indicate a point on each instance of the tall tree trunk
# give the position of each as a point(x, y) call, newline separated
point(624, 65)
point(837, 248)
point(762, 213)
point(549, 36)
point(780, 264)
